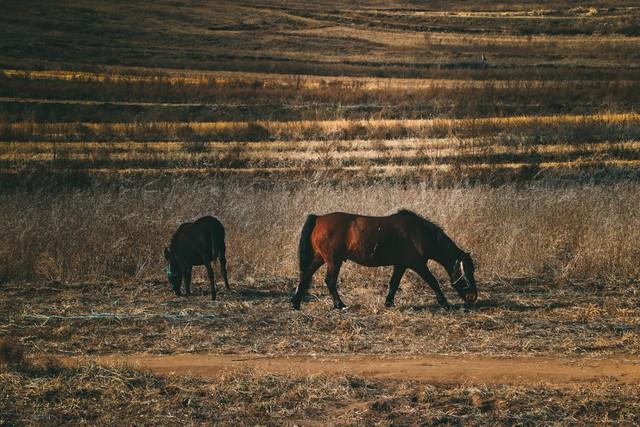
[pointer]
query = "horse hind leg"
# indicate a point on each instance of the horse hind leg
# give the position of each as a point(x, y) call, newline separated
point(331, 280)
point(187, 280)
point(212, 280)
point(398, 271)
point(305, 281)
point(223, 270)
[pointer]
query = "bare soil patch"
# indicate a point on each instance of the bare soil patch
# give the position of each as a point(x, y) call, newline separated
point(424, 368)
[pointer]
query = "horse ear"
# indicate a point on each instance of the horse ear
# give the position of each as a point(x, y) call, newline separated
point(167, 254)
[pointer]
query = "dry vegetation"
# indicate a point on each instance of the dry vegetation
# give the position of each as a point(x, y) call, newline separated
point(556, 232)
point(333, 38)
point(524, 144)
point(36, 393)
point(238, 97)
point(514, 318)
point(515, 126)
point(550, 283)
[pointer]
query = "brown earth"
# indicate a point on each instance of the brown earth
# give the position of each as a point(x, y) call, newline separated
point(427, 368)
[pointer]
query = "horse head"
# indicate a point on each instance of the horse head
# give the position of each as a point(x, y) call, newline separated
point(174, 273)
point(463, 280)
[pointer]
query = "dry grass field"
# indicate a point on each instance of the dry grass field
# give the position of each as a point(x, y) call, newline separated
point(92, 393)
point(515, 126)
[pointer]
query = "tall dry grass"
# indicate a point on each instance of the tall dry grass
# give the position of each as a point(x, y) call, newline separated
point(579, 232)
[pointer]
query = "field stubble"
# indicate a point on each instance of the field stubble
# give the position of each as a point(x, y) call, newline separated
point(512, 318)
point(289, 98)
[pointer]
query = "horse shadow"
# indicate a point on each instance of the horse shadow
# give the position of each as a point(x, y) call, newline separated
point(233, 294)
point(256, 294)
point(510, 305)
point(492, 303)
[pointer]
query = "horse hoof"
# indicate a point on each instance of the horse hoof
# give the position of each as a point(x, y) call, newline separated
point(388, 304)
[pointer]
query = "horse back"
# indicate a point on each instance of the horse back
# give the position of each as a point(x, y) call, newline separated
point(209, 222)
point(366, 240)
point(199, 241)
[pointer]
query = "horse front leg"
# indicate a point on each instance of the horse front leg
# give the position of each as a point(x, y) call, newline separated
point(187, 279)
point(398, 271)
point(428, 277)
point(331, 280)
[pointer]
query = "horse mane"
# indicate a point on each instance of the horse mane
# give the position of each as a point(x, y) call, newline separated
point(428, 224)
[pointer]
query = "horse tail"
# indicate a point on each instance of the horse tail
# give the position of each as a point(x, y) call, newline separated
point(220, 250)
point(220, 247)
point(216, 233)
point(305, 251)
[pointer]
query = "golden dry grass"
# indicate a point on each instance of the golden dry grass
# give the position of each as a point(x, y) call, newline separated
point(486, 150)
point(117, 125)
point(221, 78)
point(302, 37)
point(296, 130)
point(551, 231)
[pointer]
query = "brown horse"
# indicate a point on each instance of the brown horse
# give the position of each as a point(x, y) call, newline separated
point(404, 240)
point(196, 243)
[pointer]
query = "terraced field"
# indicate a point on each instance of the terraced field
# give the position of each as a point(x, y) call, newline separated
point(367, 91)
point(362, 139)
point(290, 152)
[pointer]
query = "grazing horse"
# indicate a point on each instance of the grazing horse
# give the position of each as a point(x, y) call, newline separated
point(404, 240)
point(196, 243)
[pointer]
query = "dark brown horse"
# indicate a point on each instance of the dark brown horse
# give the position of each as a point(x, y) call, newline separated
point(404, 240)
point(196, 243)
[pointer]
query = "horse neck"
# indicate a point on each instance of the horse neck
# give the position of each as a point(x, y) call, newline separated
point(447, 255)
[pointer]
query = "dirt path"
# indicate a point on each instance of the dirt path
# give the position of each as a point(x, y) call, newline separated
point(434, 368)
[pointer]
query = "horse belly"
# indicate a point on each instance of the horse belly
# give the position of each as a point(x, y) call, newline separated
point(371, 261)
point(372, 247)
point(193, 254)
